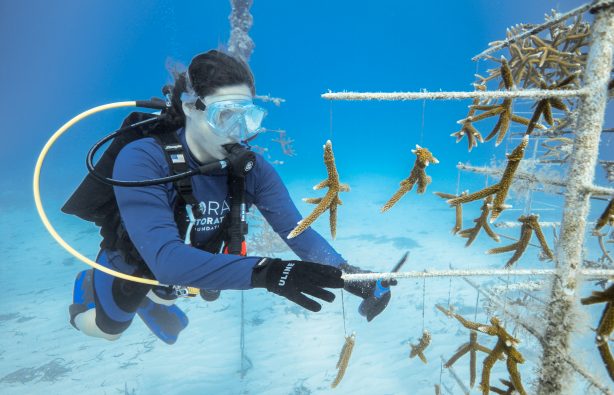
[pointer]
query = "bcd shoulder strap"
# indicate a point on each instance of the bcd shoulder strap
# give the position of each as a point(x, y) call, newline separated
point(177, 162)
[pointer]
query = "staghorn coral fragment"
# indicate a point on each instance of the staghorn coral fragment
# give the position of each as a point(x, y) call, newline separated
point(606, 356)
point(417, 175)
point(607, 217)
point(285, 143)
point(513, 161)
point(558, 148)
point(506, 345)
point(504, 110)
point(419, 348)
point(480, 223)
point(606, 325)
point(544, 106)
point(344, 358)
point(530, 224)
point(472, 347)
point(502, 187)
point(458, 224)
point(605, 255)
point(330, 201)
point(510, 390)
point(467, 128)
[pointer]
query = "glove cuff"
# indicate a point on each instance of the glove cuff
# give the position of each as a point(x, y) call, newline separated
point(260, 271)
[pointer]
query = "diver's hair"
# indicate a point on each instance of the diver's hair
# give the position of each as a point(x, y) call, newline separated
point(174, 116)
point(207, 72)
point(211, 70)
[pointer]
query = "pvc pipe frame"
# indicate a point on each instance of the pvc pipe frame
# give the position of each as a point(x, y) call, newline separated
point(591, 273)
point(425, 95)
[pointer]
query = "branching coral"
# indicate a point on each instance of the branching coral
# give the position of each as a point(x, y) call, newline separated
point(506, 345)
point(607, 217)
point(530, 224)
point(472, 347)
point(510, 390)
point(285, 143)
point(329, 201)
point(480, 223)
point(458, 224)
point(344, 358)
point(264, 240)
point(533, 58)
point(419, 348)
point(544, 106)
point(608, 167)
point(417, 175)
point(503, 110)
point(502, 187)
point(606, 325)
point(558, 149)
point(467, 128)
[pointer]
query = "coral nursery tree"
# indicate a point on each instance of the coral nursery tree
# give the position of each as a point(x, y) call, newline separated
point(563, 66)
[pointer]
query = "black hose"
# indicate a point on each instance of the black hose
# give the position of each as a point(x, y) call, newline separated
point(89, 161)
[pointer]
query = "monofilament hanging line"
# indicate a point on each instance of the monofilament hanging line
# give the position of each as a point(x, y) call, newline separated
point(450, 290)
point(422, 123)
point(477, 301)
point(507, 286)
point(345, 332)
point(330, 126)
point(423, 301)
point(440, 371)
point(243, 357)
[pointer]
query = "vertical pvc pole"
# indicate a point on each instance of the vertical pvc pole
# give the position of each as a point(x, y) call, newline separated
point(556, 376)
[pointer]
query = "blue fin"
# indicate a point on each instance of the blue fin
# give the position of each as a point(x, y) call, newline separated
point(164, 321)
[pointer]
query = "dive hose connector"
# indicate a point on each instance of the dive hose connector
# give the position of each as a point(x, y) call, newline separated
point(185, 292)
point(154, 103)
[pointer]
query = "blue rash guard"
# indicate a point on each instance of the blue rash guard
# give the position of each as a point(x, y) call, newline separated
point(147, 214)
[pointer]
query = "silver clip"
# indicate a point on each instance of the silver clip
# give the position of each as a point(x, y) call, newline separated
point(180, 291)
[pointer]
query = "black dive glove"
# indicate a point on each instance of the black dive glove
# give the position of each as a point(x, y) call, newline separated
point(375, 294)
point(292, 279)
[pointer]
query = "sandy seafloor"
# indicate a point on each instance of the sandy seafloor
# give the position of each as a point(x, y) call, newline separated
point(292, 351)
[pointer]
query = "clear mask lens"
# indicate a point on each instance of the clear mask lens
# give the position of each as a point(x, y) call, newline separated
point(239, 120)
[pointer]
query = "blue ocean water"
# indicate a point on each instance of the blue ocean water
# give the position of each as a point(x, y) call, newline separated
point(63, 58)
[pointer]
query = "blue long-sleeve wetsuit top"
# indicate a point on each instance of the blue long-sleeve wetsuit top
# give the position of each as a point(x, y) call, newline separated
point(147, 214)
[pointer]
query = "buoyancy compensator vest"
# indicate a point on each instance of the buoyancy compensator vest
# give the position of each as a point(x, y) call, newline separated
point(94, 199)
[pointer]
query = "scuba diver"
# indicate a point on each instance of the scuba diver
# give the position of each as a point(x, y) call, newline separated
point(191, 231)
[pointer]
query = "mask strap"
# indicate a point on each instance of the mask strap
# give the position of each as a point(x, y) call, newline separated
point(200, 105)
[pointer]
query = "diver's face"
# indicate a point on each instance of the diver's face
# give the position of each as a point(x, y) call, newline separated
point(203, 141)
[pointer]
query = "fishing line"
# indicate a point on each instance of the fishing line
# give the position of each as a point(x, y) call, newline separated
point(345, 332)
point(440, 371)
point(330, 126)
point(529, 199)
point(449, 290)
point(423, 301)
point(242, 341)
point(422, 125)
point(507, 287)
point(477, 300)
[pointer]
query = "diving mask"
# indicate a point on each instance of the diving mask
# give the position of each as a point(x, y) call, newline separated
point(238, 119)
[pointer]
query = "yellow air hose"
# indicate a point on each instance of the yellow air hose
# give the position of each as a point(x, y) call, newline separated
point(39, 205)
